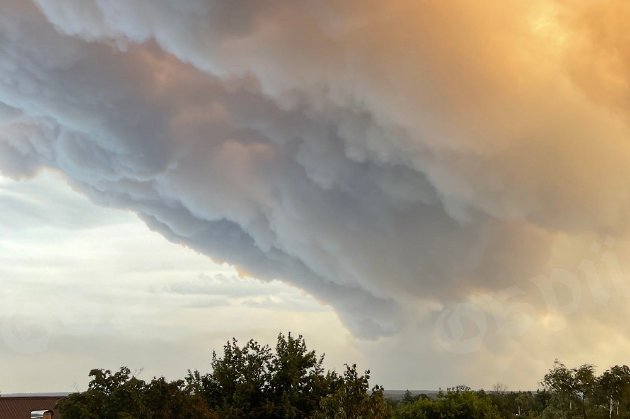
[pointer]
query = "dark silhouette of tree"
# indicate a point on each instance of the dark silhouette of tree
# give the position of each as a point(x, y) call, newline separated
point(614, 390)
point(572, 388)
point(290, 382)
point(120, 395)
point(351, 397)
point(253, 381)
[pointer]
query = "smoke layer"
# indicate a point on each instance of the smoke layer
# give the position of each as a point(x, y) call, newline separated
point(387, 157)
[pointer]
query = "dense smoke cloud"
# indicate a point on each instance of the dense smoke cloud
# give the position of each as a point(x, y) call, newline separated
point(387, 157)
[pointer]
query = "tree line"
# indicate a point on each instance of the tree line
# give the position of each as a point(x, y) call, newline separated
point(247, 381)
point(290, 381)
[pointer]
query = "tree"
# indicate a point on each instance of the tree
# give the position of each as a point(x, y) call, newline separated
point(499, 388)
point(253, 381)
point(573, 389)
point(584, 381)
point(614, 389)
point(351, 398)
point(407, 397)
point(298, 381)
point(120, 395)
point(239, 384)
point(561, 383)
point(456, 403)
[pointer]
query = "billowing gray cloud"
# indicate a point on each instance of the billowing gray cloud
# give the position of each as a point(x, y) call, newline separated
point(370, 154)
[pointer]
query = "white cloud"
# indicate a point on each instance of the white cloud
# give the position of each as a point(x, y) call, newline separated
point(389, 158)
point(105, 291)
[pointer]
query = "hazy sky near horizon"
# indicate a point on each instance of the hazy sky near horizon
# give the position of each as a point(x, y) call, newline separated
point(437, 190)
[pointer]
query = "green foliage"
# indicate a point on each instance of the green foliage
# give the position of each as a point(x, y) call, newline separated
point(456, 403)
point(566, 393)
point(289, 381)
point(573, 390)
point(350, 397)
point(613, 391)
point(120, 395)
point(297, 378)
point(253, 381)
point(407, 397)
point(240, 383)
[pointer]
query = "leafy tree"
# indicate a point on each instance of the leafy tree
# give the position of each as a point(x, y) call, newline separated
point(456, 403)
point(510, 404)
point(120, 395)
point(289, 381)
point(239, 385)
point(407, 397)
point(571, 387)
point(614, 390)
point(298, 381)
point(253, 381)
point(351, 398)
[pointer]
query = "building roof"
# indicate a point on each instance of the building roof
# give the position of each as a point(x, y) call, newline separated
point(21, 407)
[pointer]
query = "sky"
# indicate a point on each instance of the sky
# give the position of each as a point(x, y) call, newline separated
point(437, 191)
